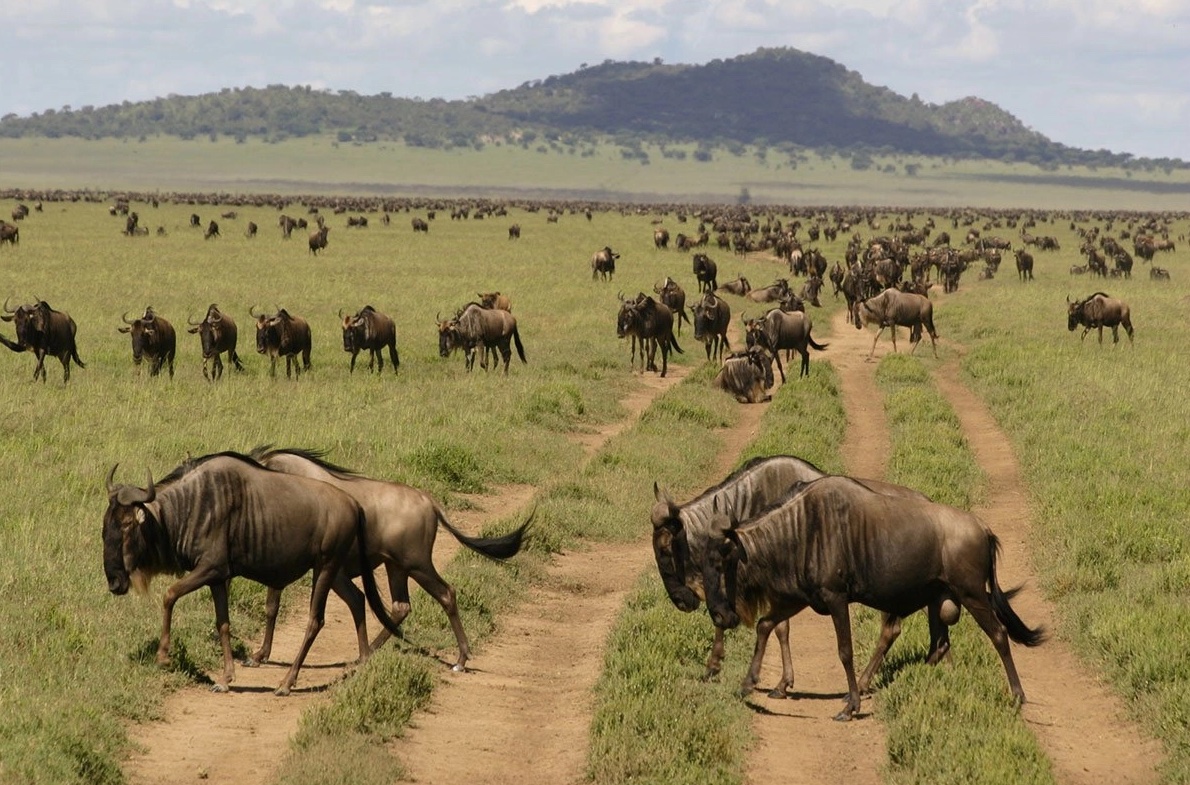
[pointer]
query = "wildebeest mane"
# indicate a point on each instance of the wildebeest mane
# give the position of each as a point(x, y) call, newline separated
point(193, 463)
point(748, 466)
point(317, 457)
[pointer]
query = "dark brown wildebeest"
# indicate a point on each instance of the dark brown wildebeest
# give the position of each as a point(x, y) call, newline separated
point(788, 330)
point(712, 317)
point(661, 238)
point(894, 308)
point(514, 232)
point(475, 328)
point(217, 332)
point(212, 231)
point(650, 323)
point(682, 533)
point(420, 225)
point(495, 300)
point(225, 516)
point(402, 523)
point(317, 239)
point(603, 263)
point(153, 339)
point(251, 230)
point(772, 293)
point(287, 225)
point(1158, 273)
point(747, 375)
point(195, 221)
point(674, 296)
point(1024, 264)
point(738, 287)
point(371, 331)
point(833, 542)
point(357, 221)
point(1098, 311)
point(42, 330)
point(283, 335)
point(707, 273)
point(9, 233)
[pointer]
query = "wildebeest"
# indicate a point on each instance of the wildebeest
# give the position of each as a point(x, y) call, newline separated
point(833, 542)
point(712, 317)
point(318, 239)
point(747, 375)
point(1158, 273)
point(402, 523)
point(9, 233)
point(283, 335)
point(371, 331)
point(603, 263)
point(739, 286)
point(894, 308)
point(706, 271)
point(251, 230)
point(218, 334)
point(514, 232)
point(1098, 311)
point(224, 516)
point(420, 225)
point(195, 221)
point(153, 339)
point(772, 293)
point(212, 231)
point(650, 323)
point(661, 238)
point(788, 330)
point(42, 330)
point(476, 328)
point(287, 225)
point(682, 533)
point(495, 300)
point(1024, 264)
point(673, 295)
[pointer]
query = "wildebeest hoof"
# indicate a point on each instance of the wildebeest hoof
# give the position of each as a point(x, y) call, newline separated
point(459, 668)
point(778, 694)
point(281, 692)
point(220, 688)
point(251, 662)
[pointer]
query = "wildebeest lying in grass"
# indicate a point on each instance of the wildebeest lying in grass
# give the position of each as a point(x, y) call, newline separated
point(224, 516)
point(682, 535)
point(893, 308)
point(1098, 311)
point(747, 375)
point(833, 542)
point(402, 523)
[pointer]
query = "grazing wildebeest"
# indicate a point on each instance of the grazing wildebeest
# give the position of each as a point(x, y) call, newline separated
point(224, 516)
point(893, 308)
point(674, 296)
point(650, 323)
point(661, 238)
point(475, 328)
point(402, 523)
point(318, 239)
point(287, 225)
point(371, 331)
point(1024, 264)
point(1158, 273)
point(212, 231)
point(603, 263)
point(42, 330)
point(772, 293)
point(153, 339)
point(1098, 311)
point(514, 232)
point(682, 534)
point(495, 300)
point(251, 230)
point(712, 317)
point(10, 233)
point(706, 271)
point(420, 225)
point(739, 286)
point(747, 375)
point(833, 542)
point(283, 335)
point(217, 332)
point(788, 330)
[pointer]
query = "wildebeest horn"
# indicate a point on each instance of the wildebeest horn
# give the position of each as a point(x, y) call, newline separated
point(252, 312)
point(438, 318)
point(340, 313)
point(124, 318)
point(111, 476)
point(9, 310)
point(218, 317)
point(191, 322)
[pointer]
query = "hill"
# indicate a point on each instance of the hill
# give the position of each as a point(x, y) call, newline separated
point(784, 98)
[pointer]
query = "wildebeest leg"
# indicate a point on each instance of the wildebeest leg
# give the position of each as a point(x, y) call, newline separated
point(871, 354)
point(223, 626)
point(664, 356)
point(893, 330)
point(652, 365)
point(354, 598)
point(780, 368)
point(429, 579)
point(939, 632)
point(786, 683)
point(764, 628)
point(715, 660)
point(805, 370)
point(191, 581)
point(39, 369)
point(841, 617)
point(890, 630)
point(398, 589)
point(981, 611)
point(324, 577)
point(66, 363)
point(272, 606)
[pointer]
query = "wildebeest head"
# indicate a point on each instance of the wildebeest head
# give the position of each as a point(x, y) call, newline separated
point(355, 328)
point(268, 330)
point(1074, 313)
point(125, 541)
point(448, 336)
point(143, 332)
point(211, 330)
point(720, 565)
point(671, 550)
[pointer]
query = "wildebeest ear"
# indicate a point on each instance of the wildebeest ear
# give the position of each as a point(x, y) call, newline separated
point(733, 537)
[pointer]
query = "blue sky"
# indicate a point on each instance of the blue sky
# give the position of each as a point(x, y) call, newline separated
point(1087, 73)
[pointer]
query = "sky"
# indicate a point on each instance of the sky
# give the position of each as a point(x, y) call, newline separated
point(1093, 74)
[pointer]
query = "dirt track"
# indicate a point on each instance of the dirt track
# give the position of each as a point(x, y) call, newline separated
point(529, 697)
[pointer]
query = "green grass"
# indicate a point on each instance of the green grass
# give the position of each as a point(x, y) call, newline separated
point(320, 165)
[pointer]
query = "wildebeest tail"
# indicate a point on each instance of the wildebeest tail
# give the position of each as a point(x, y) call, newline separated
point(369, 579)
point(674, 343)
point(1017, 629)
point(74, 355)
point(815, 345)
point(499, 548)
point(520, 348)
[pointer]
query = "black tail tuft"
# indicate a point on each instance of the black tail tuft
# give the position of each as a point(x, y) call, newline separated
point(499, 548)
point(1017, 629)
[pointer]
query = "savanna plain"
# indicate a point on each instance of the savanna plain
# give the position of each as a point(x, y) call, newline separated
point(1100, 438)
